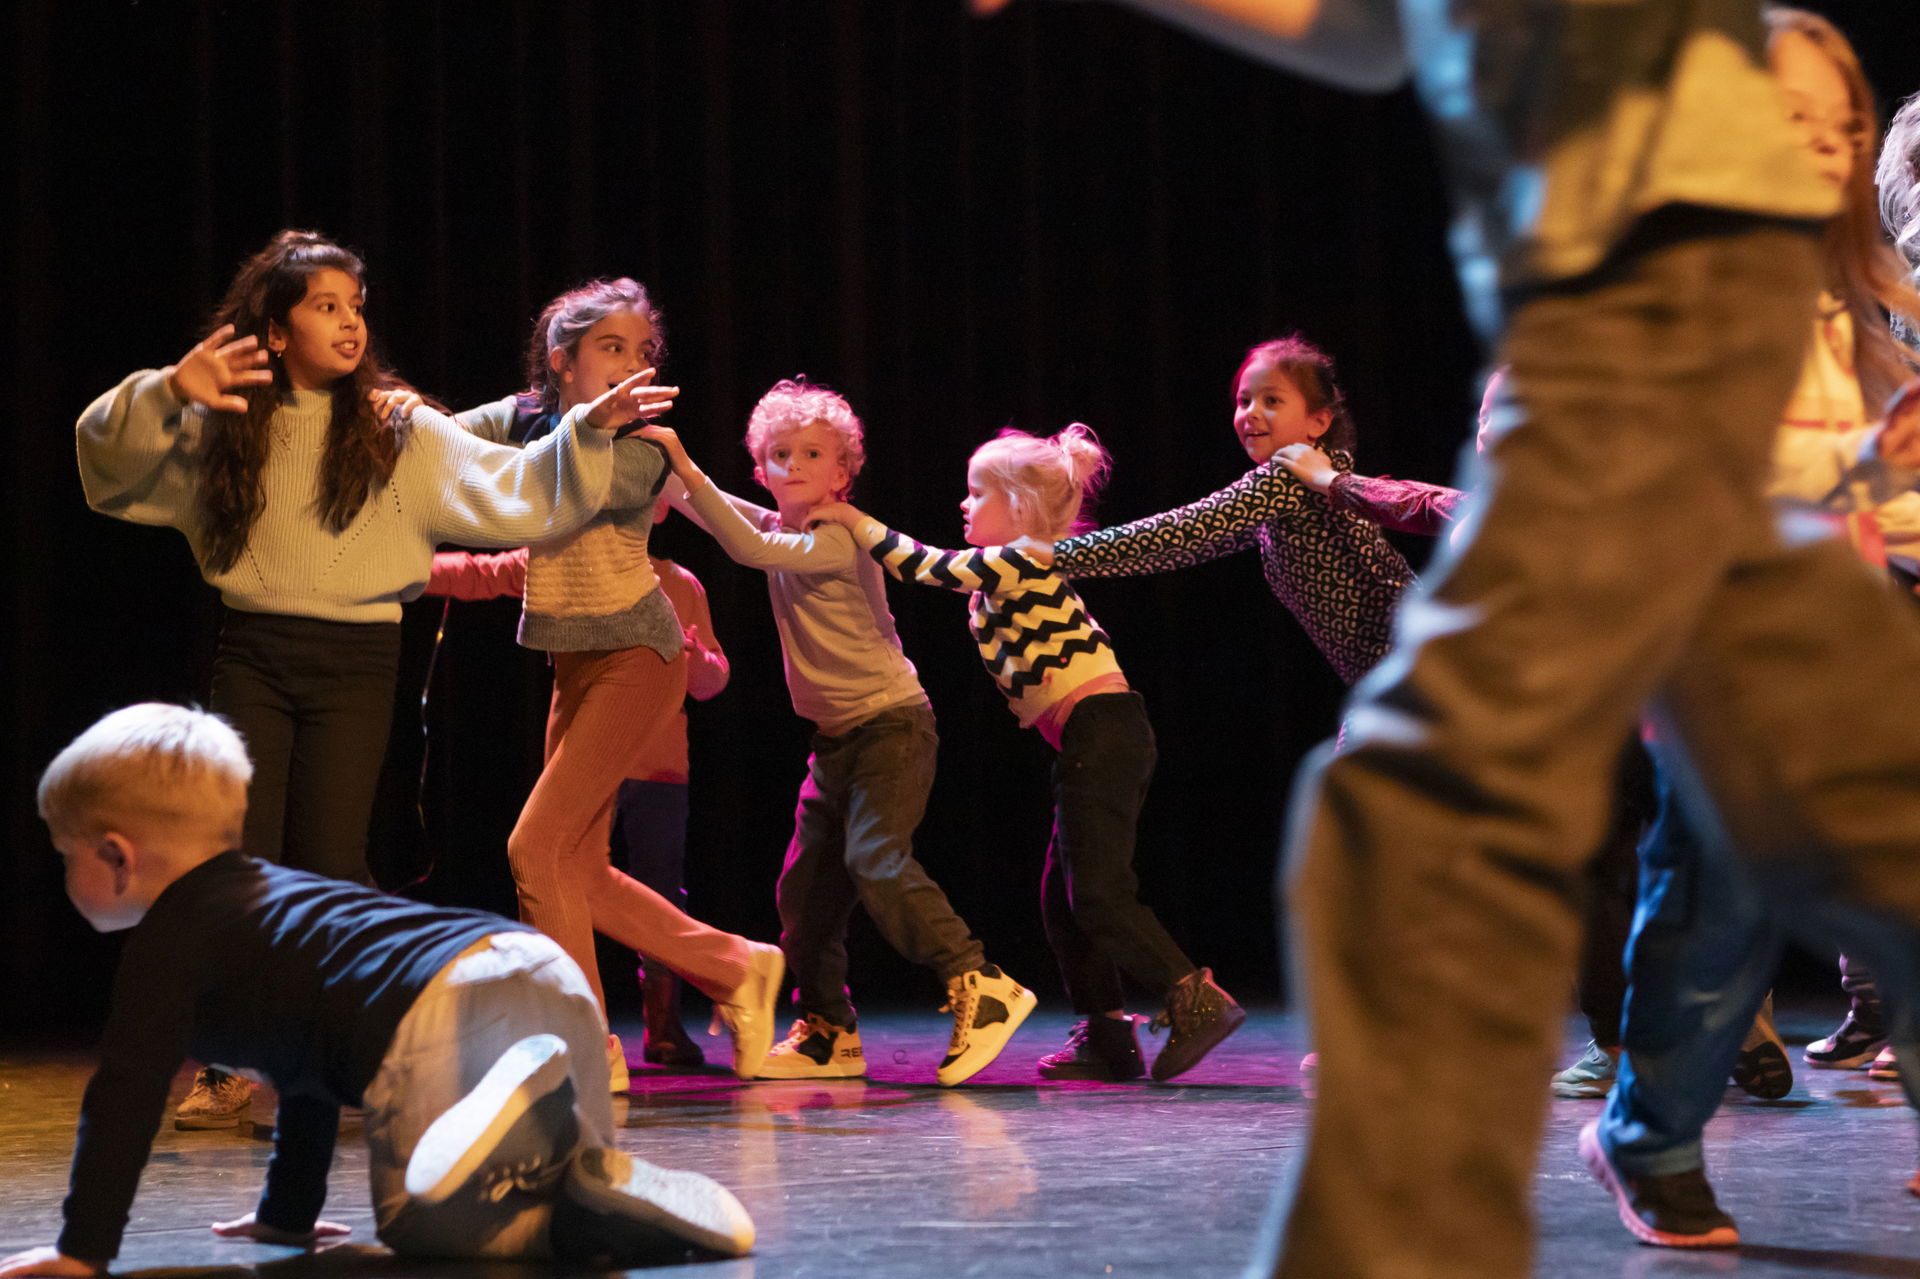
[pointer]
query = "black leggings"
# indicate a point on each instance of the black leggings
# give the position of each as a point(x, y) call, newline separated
point(1089, 895)
point(314, 701)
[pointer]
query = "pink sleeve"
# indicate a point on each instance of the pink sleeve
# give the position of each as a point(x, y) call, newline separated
point(1407, 506)
point(467, 576)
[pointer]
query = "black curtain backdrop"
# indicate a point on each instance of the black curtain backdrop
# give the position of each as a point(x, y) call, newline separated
point(1065, 213)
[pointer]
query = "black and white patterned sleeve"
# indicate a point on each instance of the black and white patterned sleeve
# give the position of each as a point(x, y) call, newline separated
point(1216, 525)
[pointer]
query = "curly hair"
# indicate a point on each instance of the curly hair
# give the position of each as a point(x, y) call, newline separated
point(1050, 483)
point(793, 403)
point(361, 450)
point(566, 319)
point(1310, 369)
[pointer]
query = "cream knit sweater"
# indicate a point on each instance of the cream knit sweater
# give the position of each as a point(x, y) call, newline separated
point(139, 450)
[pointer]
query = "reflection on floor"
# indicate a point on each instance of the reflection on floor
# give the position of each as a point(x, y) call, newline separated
point(1008, 1177)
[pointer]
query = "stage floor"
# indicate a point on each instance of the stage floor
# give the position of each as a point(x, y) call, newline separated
point(1010, 1178)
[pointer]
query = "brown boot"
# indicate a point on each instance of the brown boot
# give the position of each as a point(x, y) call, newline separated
point(667, 1041)
point(1201, 1015)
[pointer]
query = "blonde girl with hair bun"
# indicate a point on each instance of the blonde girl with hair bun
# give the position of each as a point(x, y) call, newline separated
point(1059, 674)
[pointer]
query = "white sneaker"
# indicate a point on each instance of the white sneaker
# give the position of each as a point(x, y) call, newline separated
point(816, 1049)
point(517, 1126)
point(616, 1209)
point(987, 1006)
point(749, 1014)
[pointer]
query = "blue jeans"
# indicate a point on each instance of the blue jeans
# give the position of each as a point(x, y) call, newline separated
point(1706, 943)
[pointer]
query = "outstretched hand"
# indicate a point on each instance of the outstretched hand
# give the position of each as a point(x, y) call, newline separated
point(1900, 433)
point(247, 1228)
point(840, 513)
point(47, 1261)
point(1308, 464)
point(633, 399)
point(208, 373)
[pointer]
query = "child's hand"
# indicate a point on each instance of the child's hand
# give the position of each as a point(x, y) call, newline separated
point(1308, 464)
point(47, 1261)
point(1033, 548)
point(394, 406)
point(633, 399)
point(836, 513)
point(1900, 433)
point(208, 373)
point(669, 439)
point(247, 1228)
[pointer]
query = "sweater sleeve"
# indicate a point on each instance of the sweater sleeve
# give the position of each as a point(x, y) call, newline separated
point(136, 447)
point(639, 472)
point(992, 569)
point(496, 495)
point(1216, 525)
point(463, 575)
point(1407, 506)
point(304, 1132)
point(826, 549)
point(490, 422)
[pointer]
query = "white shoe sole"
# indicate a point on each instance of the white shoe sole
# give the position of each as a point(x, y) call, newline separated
point(464, 1139)
point(1609, 1177)
point(686, 1205)
point(986, 1042)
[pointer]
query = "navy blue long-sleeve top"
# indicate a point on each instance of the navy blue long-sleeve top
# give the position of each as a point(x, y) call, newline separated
point(260, 969)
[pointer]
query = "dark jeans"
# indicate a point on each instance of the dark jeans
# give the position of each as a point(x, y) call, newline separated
point(314, 701)
point(1619, 549)
point(852, 845)
point(1089, 896)
point(650, 835)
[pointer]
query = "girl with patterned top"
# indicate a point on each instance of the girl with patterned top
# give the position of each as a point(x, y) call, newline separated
point(1059, 674)
point(1332, 569)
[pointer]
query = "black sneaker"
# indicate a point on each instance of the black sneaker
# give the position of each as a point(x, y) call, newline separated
point(1676, 1211)
point(1097, 1048)
point(1856, 1043)
point(616, 1210)
point(1201, 1015)
point(1762, 1069)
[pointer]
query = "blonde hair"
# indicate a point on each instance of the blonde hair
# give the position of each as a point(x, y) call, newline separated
point(1048, 482)
point(1869, 277)
point(150, 766)
point(794, 403)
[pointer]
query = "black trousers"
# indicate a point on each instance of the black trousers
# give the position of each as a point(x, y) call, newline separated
point(314, 701)
point(1089, 895)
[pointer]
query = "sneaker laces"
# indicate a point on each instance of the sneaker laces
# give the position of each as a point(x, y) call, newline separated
point(962, 998)
point(795, 1037)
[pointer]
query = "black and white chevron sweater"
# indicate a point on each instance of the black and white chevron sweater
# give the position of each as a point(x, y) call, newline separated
point(1037, 639)
point(1332, 569)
